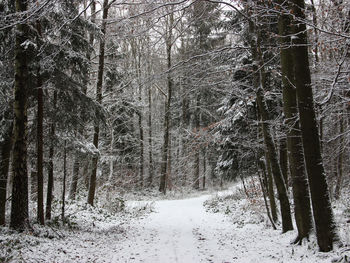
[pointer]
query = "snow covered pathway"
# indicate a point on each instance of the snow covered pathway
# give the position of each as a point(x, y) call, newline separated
point(182, 231)
point(179, 231)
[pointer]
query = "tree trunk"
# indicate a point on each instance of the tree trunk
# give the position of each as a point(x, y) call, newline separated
point(265, 201)
point(301, 196)
point(163, 169)
point(140, 126)
point(40, 143)
point(204, 167)
point(275, 168)
point(339, 181)
point(270, 190)
point(150, 147)
point(50, 178)
point(196, 140)
point(64, 181)
point(19, 204)
point(259, 84)
point(5, 153)
point(101, 57)
point(321, 205)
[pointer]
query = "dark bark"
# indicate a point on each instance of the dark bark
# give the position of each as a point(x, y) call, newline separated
point(40, 143)
point(270, 191)
point(140, 126)
point(321, 204)
point(164, 164)
point(19, 204)
point(50, 178)
point(5, 153)
point(197, 124)
point(302, 206)
point(101, 57)
point(150, 146)
point(64, 181)
point(204, 167)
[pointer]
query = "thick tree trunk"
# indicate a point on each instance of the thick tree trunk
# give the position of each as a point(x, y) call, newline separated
point(19, 204)
point(321, 205)
point(101, 57)
point(5, 153)
point(40, 143)
point(303, 217)
point(50, 179)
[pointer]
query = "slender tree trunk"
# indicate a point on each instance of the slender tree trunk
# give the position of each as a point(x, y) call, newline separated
point(150, 147)
point(270, 190)
point(196, 182)
point(259, 84)
point(204, 167)
point(40, 143)
point(184, 125)
point(302, 206)
point(140, 126)
point(275, 168)
point(5, 153)
point(101, 57)
point(339, 181)
point(19, 206)
point(163, 169)
point(50, 178)
point(64, 181)
point(321, 204)
point(265, 200)
point(314, 21)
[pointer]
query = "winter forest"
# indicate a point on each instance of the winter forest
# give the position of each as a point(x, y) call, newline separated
point(174, 131)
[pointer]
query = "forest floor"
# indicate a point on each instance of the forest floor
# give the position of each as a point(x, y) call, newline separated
point(225, 227)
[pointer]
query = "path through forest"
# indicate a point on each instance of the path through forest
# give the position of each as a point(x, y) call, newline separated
point(182, 231)
point(177, 231)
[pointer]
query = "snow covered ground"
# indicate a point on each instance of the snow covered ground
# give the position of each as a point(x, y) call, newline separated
point(177, 231)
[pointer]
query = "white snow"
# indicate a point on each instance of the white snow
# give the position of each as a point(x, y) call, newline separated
point(177, 231)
